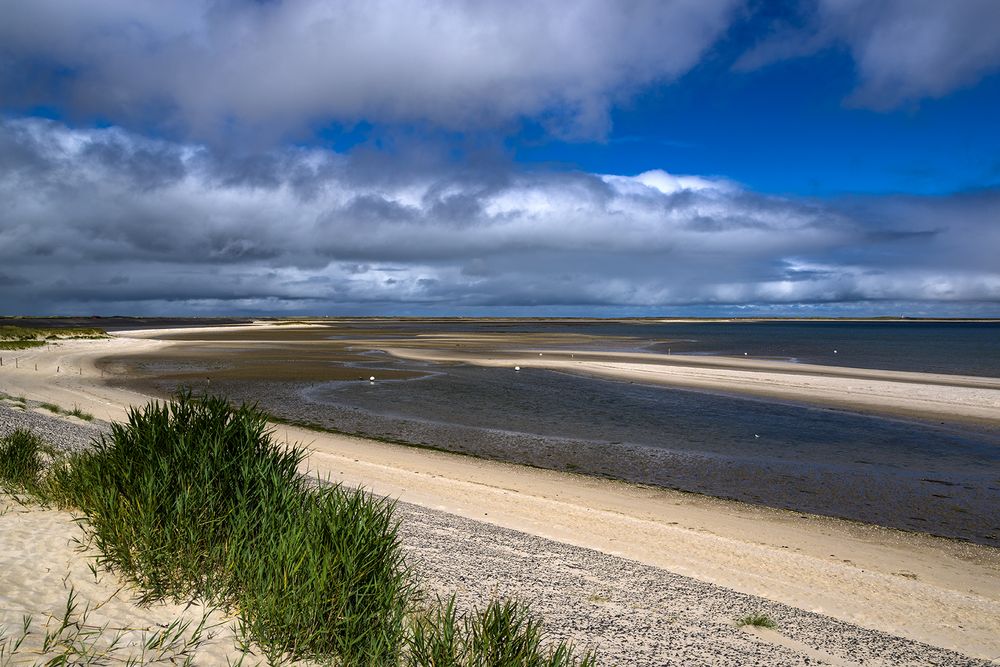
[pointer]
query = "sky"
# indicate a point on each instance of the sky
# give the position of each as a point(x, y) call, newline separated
point(600, 158)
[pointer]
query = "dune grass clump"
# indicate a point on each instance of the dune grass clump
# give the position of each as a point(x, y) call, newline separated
point(75, 412)
point(79, 414)
point(503, 633)
point(193, 499)
point(21, 461)
point(14, 399)
point(757, 620)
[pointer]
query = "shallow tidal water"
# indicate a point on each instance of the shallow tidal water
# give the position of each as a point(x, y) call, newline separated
point(936, 478)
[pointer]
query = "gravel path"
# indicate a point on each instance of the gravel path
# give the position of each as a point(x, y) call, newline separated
point(632, 613)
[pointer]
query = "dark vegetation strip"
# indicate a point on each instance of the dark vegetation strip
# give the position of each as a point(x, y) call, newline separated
point(193, 499)
point(20, 344)
point(19, 333)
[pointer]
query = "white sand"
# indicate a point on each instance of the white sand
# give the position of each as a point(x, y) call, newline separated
point(940, 592)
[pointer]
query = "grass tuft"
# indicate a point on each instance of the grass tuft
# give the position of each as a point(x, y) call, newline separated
point(757, 620)
point(75, 412)
point(80, 414)
point(503, 633)
point(21, 461)
point(70, 637)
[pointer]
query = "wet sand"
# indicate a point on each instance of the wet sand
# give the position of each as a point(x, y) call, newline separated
point(933, 590)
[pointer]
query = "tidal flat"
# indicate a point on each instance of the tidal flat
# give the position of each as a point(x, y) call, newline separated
point(914, 472)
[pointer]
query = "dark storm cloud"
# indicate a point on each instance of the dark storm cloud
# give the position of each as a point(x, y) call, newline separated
point(98, 220)
point(904, 50)
point(207, 67)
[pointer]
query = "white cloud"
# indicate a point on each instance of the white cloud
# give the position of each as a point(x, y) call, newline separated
point(663, 183)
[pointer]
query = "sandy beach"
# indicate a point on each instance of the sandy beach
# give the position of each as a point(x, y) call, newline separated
point(939, 592)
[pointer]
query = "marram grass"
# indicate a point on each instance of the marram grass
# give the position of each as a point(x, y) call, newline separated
point(193, 499)
point(21, 461)
point(503, 633)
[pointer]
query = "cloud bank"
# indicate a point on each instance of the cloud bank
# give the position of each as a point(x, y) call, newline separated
point(239, 71)
point(99, 221)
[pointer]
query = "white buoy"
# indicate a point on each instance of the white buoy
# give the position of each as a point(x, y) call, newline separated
point(517, 368)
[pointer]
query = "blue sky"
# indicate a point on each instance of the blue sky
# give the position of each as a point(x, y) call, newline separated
point(786, 129)
point(817, 157)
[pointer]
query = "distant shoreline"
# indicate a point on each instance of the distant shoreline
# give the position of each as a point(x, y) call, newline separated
point(125, 323)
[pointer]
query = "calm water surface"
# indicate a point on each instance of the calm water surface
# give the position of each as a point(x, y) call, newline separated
point(931, 477)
